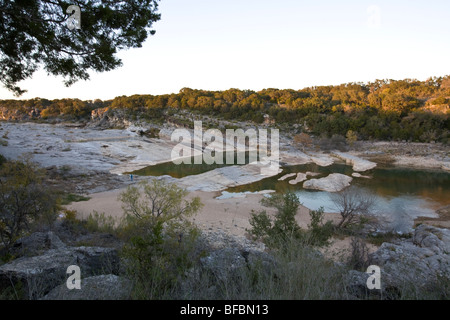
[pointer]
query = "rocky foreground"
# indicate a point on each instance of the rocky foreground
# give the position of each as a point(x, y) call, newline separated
point(422, 261)
point(40, 269)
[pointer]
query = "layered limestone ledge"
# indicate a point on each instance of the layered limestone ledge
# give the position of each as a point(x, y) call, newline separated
point(358, 164)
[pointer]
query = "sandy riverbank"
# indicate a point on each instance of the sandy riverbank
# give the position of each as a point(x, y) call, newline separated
point(230, 215)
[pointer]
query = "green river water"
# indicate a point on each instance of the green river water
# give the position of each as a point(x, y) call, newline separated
point(401, 193)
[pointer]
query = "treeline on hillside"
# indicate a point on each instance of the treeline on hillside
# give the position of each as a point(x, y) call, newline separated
point(384, 110)
point(46, 109)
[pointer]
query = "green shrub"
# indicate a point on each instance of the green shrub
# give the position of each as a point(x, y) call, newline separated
point(68, 198)
point(157, 260)
point(159, 240)
point(100, 222)
point(70, 216)
point(275, 231)
point(2, 160)
point(379, 238)
point(26, 204)
point(320, 232)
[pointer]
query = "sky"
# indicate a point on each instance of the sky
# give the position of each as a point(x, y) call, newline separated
point(257, 44)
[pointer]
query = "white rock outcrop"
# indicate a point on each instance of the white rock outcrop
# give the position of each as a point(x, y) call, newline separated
point(300, 178)
point(359, 175)
point(357, 163)
point(322, 160)
point(289, 175)
point(334, 182)
point(222, 178)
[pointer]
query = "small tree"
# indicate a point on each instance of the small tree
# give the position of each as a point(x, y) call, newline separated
point(159, 239)
point(319, 231)
point(24, 200)
point(158, 200)
point(353, 204)
point(359, 255)
point(157, 207)
point(283, 227)
point(351, 137)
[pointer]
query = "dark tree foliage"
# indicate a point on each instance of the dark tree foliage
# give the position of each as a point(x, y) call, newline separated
point(24, 200)
point(35, 33)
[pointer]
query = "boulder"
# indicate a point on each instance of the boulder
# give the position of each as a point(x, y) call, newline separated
point(230, 254)
point(436, 239)
point(417, 262)
point(224, 264)
point(37, 275)
point(334, 182)
point(357, 284)
point(102, 287)
point(408, 266)
point(36, 243)
point(222, 178)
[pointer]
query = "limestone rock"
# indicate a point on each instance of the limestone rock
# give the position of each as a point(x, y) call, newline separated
point(357, 284)
point(289, 175)
point(39, 274)
point(322, 160)
point(357, 163)
point(229, 254)
point(332, 183)
point(436, 239)
point(417, 261)
point(358, 175)
point(102, 287)
point(223, 263)
point(300, 178)
point(222, 178)
point(36, 243)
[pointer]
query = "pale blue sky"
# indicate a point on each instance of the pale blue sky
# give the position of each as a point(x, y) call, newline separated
point(257, 44)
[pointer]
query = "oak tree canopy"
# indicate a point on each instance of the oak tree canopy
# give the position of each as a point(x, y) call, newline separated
point(35, 34)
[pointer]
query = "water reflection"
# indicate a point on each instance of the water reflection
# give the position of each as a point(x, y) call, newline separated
point(402, 194)
point(195, 166)
point(398, 212)
point(385, 182)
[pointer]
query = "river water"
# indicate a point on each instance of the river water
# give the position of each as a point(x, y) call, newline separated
point(401, 194)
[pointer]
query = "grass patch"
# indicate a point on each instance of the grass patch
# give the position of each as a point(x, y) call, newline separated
point(100, 222)
point(379, 238)
point(72, 197)
point(297, 272)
